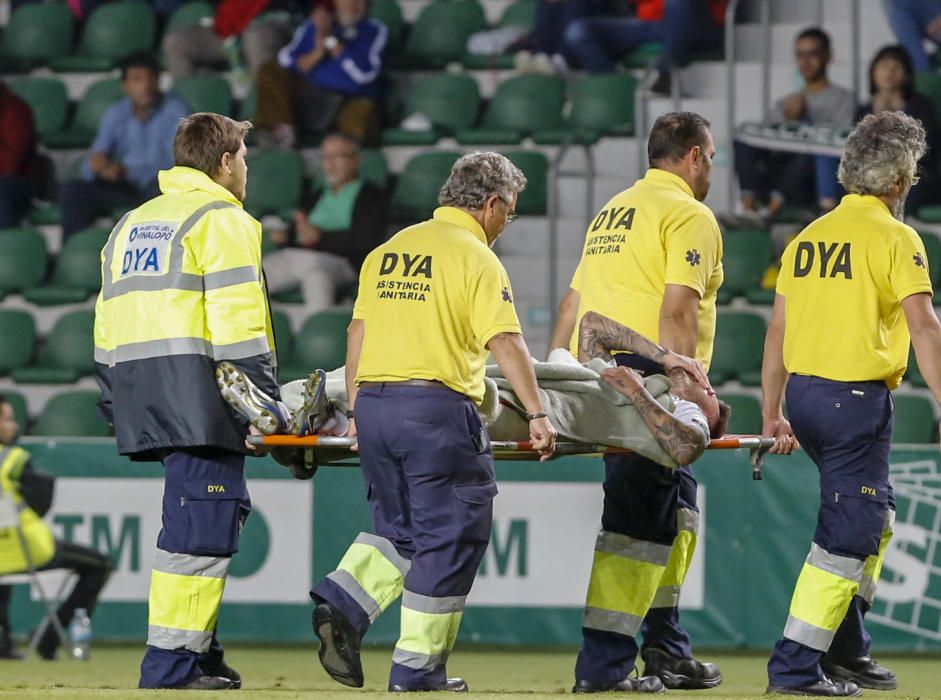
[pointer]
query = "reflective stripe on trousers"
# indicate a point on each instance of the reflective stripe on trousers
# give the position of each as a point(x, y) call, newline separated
point(873, 566)
point(625, 575)
point(681, 558)
point(371, 573)
point(429, 628)
point(185, 594)
point(825, 587)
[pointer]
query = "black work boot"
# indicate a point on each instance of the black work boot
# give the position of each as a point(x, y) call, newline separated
point(339, 645)
point(643, 684)
point(220, 669)
point(864, 671)
point(823, 688)
point(8, 650)
point(209, 683)
point(453, 685)
point(680, 673)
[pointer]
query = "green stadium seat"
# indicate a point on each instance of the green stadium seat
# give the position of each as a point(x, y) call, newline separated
point(66, 354)
point(415, 196)
point(390, 14)
point(521, 105)
point(320, 344)
point(71, 414)
point(739, 346)
point(933, 249)
point(521, 13)
point(440, 33)
point(17, 338)
point(746, 413)
point(373, 167)
point(246, 108)
point(77, 272)
point(644, 56)
point(111, 32)
point(22, 259)
point(534, 200)
point(18, 402)
point(451, 102)
point(94, 103)
point(189, 15)
point(929, 84)
point(206, 93)
point(36, 34)
point(912, 373)
point(48, 101)
point(603, 105)
point(746, 255)
point(274, 183)
point(914, 420)
point(283, 337)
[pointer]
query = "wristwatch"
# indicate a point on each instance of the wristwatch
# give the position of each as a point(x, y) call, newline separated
point(330, 43)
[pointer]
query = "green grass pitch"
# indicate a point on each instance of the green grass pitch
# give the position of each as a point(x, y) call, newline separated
point(293, 672)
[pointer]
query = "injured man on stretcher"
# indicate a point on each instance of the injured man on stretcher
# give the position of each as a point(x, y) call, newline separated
point(668, 416)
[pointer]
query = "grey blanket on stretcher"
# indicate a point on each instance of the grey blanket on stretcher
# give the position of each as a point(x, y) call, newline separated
point(581, 406)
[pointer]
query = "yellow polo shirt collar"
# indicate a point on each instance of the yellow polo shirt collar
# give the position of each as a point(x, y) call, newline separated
point(461, 218)
point(662, 178)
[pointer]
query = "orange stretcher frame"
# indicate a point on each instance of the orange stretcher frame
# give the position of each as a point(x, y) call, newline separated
point(523, 450)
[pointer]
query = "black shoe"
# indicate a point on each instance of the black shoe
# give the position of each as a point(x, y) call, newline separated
point(644, 684)
point(823, 688)
point(680, 674)
point(662, 85)
point(339, 646)
point(209, 683)
point(453, 685)
point(222, 670)
point(865, 672)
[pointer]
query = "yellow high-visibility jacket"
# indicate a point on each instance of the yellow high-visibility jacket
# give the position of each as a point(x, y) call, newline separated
point(182, 288)
point(38, 537)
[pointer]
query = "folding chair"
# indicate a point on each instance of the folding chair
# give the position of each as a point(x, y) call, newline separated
point(9, 519)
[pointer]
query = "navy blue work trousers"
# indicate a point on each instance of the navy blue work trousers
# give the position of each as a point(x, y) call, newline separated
point(194, 524)
point(846, 429)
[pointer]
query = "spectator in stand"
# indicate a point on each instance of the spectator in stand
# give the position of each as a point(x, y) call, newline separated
point(203, 46)
point(17, 157)
point(134, 142)
point(913, 21)
point(333, 234)
point(326, 79)
point(777, 176)
point(892, 87)
point(682, 26)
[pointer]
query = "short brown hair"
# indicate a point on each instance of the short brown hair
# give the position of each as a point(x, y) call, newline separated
point(202, 138)
point(722, 423)
point(674, 134)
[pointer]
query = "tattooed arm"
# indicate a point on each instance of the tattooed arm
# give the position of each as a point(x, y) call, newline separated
point(683, 443)
point(598, 336)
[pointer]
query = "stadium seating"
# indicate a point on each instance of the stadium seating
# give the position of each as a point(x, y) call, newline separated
point(77, 272)
point(66, 354)
point(603, 105)
point(739, 346)
point(914, 420)
point(71, 414)
point(111, 32)
point(535, 166)
point(450, 102)
point(94, 103)
point(320, 344)
point(206, 93)
point(521, 13)
point(275, 183)
point(523, 105)
point(283, 337)
point(746, 413)
point(746, 255)
point(390, 14)
point(440, 33)
point(22, 260)
point(913, 374)
point(17, 338)
point(48, 101)
point(416, 192)
point(188, 15)
point(37, 34)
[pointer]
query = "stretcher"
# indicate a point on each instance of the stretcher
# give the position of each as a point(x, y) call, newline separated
point(325, 450)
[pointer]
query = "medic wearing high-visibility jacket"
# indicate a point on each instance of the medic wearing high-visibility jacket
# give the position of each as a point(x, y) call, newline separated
point(652, 261)
point(432, 301)
point(852, 291)
point(182, 289)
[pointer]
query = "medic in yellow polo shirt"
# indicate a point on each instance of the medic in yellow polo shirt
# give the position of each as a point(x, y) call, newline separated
point(853, 289)
point(432, 301)
point(652, 261)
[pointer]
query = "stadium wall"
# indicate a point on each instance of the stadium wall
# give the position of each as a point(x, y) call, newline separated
point(533, 579)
